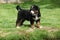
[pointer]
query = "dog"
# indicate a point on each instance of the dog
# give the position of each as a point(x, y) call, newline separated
point(32, 15)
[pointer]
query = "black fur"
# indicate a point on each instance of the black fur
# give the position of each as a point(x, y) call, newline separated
point(27, 15)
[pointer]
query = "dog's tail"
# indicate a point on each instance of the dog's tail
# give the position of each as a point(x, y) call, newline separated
point(18, 8)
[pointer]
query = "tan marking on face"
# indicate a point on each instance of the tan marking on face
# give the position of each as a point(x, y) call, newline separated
point(36, 11)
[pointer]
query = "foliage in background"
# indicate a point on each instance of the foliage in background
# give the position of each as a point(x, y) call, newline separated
point(56, 2)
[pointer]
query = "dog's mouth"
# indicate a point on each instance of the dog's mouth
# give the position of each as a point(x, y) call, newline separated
point(34, 12)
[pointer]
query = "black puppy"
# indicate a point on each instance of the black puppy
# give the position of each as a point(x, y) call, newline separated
point(31, 15)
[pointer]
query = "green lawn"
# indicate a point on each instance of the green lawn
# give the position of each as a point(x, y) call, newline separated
point(8, 15)
point(50, 18)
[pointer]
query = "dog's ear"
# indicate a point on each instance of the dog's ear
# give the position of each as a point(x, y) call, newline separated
point(18, 8)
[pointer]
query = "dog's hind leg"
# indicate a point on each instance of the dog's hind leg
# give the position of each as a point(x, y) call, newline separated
point(18, 22)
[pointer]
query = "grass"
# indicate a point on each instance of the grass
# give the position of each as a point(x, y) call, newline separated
point(50, 18)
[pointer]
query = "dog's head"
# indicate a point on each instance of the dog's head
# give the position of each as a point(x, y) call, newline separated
point(34, 9)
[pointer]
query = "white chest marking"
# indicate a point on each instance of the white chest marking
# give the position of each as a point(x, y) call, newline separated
point(36, 18)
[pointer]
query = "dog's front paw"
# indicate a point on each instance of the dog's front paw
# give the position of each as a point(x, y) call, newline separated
point(40, 27)
point(17, 27)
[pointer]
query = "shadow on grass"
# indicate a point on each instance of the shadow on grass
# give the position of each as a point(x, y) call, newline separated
point(26, 25)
